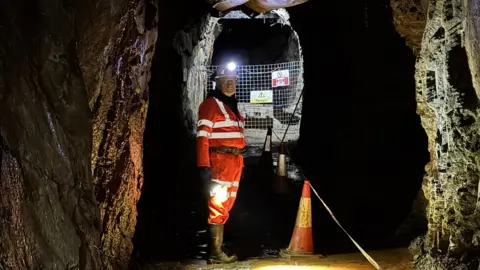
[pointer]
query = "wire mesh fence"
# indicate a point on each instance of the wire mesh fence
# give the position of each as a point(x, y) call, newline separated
point(267, 97)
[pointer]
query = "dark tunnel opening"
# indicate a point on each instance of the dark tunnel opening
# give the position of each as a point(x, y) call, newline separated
point(165, 223)
point(462, 78)
point(360, 86)
point(361, 142)
point(254, 42)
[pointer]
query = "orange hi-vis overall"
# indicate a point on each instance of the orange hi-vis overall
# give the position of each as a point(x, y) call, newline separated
point(218, 126)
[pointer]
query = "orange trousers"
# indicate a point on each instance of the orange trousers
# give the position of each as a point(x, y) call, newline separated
point(226, 171)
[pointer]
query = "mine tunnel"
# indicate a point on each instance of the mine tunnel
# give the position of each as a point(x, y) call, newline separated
point(361, 142)
point(99, 131)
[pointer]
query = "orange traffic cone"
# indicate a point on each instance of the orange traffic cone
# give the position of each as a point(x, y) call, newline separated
point(281, 180)
point(266, 160)
point(301, 243)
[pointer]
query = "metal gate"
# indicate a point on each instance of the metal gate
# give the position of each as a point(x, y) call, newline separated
point(267, 96)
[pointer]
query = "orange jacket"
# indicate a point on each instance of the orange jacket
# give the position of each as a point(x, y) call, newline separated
point(217, 126)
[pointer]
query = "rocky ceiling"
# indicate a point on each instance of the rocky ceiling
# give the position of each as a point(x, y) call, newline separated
point(260, 6)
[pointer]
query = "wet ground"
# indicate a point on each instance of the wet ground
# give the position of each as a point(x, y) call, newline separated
point(261, 223)
point(394, 259)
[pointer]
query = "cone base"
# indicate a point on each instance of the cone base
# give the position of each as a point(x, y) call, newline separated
point(287, 253)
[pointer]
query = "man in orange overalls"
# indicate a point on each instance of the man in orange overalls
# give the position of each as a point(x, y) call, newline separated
point(220, 143)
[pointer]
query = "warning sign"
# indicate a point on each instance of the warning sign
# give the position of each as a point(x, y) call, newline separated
point(261, 96)
point(280, 78)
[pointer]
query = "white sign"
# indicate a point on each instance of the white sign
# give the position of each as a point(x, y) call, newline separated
point(261, 96)
point(280, 78)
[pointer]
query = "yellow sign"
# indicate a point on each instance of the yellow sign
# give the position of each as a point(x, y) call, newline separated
point(261, 96)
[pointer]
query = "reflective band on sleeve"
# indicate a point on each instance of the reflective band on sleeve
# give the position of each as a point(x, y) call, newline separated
point(226, 135)
point(227, 123)
point(205, 122)
point(222, 108)
point(203, 133)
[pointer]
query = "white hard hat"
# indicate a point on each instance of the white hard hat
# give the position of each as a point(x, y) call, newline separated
point(227, 70)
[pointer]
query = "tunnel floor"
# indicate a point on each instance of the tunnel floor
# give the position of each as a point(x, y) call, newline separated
point(393, 259)
point(260, 225)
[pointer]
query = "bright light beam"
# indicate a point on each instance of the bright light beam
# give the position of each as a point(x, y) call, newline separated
point(220, 194)
point(231, 66)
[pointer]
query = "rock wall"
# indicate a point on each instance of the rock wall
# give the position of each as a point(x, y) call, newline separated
point(48, 216)
point(447, 98)
point(472, 37)
point(409, 20)
point(194, 44)
point(293, 50)
point(116, 44)
point(53, 78)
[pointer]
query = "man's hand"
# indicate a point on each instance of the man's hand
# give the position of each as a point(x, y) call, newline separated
point(205, 174)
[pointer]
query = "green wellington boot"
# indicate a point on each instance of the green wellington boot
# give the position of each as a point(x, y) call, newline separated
point(216, 253)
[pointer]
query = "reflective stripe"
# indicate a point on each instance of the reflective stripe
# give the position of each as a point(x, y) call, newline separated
point(227, 123)
point(203, 133)
point(205, 122)
point(229, 194)
point(220, 135)
point(222, 108)
point(219, 124)
point(227, 183)
point(226, 135)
